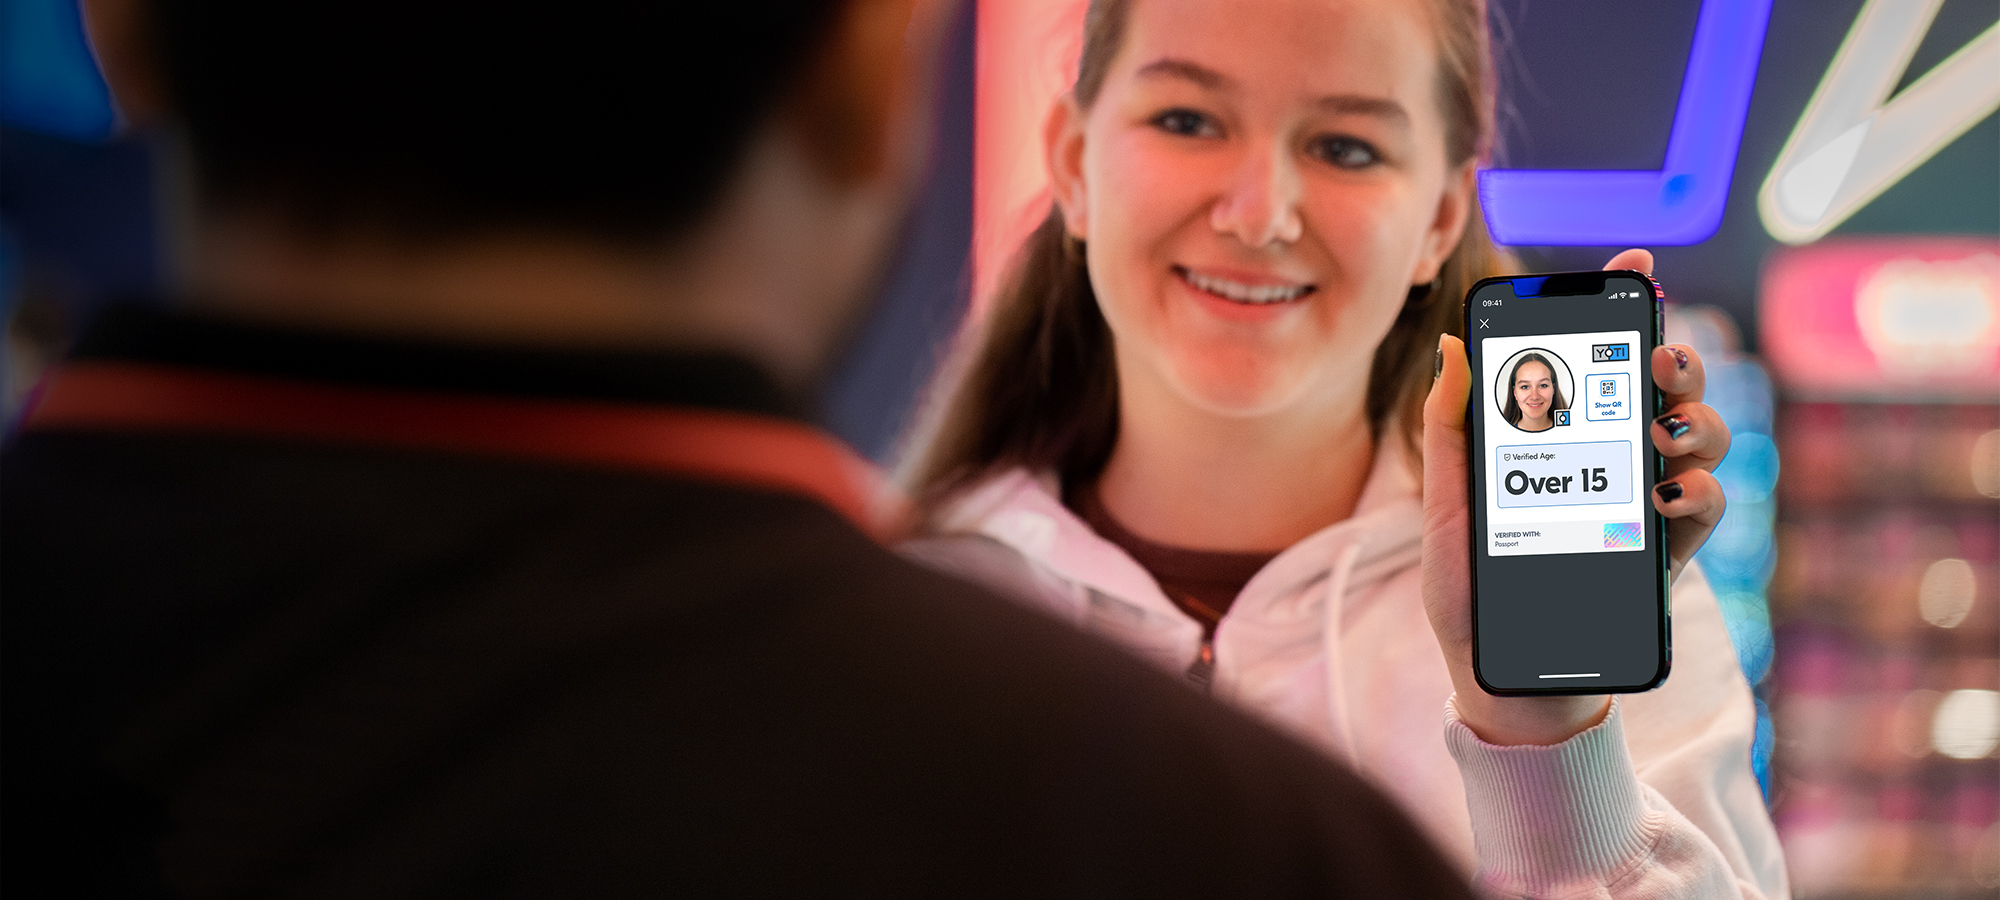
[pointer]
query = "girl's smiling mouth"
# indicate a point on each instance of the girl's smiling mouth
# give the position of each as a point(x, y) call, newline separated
point(1237, 291)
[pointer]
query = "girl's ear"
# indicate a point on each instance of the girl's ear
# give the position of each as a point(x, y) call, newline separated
point(1062, 142)
point(1453, 214)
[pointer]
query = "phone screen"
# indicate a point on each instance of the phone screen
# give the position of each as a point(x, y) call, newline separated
point(1569, 574)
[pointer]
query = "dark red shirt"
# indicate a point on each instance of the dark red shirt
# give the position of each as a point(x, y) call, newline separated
point(1203, 583)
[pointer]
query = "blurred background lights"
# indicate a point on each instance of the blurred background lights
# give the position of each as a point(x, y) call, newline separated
point(1886, 318)
point(1946, 593)
point(1966, 724)
point(48, 82)
point(1986, 463)
point(1741, 553)
point(1919, 314)
point(1986, 866)
point(1751, 468)
point(1910, 724)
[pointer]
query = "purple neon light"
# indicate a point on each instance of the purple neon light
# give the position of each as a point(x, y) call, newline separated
point(1680, 204)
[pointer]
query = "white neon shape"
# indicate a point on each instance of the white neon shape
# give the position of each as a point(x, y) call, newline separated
point(1850, 145)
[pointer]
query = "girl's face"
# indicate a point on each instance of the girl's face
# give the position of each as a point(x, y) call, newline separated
point(1260, 183)
point(1534, 391)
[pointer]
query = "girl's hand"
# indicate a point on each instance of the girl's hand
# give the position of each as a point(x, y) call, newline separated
point(1689, 435)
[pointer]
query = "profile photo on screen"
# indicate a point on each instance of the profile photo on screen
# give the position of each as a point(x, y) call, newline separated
point(1534, 390)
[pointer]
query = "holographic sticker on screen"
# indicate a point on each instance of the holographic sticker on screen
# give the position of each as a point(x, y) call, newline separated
point(1623, 535)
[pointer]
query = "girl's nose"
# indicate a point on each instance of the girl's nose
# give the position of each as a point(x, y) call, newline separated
point(1261, 205)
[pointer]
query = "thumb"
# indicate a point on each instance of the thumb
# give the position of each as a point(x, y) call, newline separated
point(1444, 419)
point(1447, 518)
point(1635, 258)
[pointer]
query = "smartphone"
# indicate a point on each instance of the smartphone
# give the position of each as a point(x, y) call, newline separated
point(1569, 559)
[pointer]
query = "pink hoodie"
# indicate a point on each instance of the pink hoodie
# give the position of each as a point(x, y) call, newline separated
point(1330, 640)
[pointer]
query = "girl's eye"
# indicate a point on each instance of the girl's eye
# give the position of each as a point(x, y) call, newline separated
point(1346, 152)
point(1186, 122)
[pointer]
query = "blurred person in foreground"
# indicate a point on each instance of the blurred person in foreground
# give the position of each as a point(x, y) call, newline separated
point(1217, 414)
point(453, 531)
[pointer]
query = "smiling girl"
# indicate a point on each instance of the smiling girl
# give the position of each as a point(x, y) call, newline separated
point(1534, 395)
point(1200, 419)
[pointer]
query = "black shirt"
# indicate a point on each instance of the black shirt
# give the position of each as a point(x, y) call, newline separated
point(238, 666)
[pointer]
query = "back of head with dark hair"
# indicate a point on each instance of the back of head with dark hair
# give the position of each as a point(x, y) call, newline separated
point(617, 120)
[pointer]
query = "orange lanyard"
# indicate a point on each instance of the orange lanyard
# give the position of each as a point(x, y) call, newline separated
point(752, 450)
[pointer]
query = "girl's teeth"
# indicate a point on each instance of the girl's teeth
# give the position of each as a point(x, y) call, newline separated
point(1244, 293)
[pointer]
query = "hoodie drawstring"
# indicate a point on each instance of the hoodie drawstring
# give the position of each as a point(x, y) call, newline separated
point(1336, 680)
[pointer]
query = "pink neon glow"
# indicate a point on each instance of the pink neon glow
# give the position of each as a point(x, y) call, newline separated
point(1885, 317)
point(1027, 58)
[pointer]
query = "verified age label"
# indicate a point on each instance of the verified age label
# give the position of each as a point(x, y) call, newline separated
point(1593, 475)
point(1585, 474)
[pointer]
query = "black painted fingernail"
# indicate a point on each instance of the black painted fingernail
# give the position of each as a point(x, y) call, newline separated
point(1675, 424)
point(1680, 357)
point(1437, 368)
point(1669, 491)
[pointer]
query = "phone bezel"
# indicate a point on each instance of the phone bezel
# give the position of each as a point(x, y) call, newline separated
point(1569, 284)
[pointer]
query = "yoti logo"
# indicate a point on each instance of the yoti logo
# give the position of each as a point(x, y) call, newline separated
point(1610, 352)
